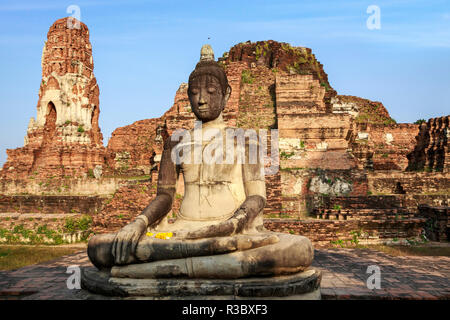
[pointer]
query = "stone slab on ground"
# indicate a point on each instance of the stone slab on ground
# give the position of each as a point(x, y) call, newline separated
point(343, 277)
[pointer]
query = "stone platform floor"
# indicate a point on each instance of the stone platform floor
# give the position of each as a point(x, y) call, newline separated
point(344, 276)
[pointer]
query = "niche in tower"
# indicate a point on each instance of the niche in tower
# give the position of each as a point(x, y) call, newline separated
point(94, 117)
point(94, 125)
point(50, 123)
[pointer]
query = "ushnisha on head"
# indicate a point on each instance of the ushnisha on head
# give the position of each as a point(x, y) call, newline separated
point(208, 88)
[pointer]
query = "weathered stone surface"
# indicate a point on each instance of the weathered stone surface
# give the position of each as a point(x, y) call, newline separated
point(438, 222)
point(432, 152)
point(363, 229)
point(288, 287)
point(310, 135)
point(61, 186)
point(363, 110)
point(385, 182)
point(407, 202)
point(386, 146)
point(51, 204)
point(279, 57)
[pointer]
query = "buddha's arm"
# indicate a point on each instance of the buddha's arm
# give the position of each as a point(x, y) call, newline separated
point(127, 238)
point(167, 179)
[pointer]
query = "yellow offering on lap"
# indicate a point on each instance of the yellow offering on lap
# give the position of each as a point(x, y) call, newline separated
point(160, 235)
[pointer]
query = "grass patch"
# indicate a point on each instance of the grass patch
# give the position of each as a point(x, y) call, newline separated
point(13, 257)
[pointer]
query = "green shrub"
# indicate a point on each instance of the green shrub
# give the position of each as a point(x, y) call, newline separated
point(247, 77)
point(285, 155)
point(18, 235)
point(74, 225)
point(339, 242)
point(84, 222)
point(69, 225)
point(302, 144)
point(420, 121)
point(325, 85)
point(90, 173)
point(355, 236)
point(258, 52)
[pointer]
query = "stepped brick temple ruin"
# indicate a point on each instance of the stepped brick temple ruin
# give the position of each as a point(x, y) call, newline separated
point(347, 170)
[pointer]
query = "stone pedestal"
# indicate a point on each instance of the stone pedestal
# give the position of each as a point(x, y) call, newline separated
point(300, 286)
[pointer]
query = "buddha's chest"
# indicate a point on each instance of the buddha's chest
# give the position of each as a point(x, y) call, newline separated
point(204, 174)
point(212, 162)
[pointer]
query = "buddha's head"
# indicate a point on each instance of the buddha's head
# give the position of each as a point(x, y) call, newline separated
point(208, 88)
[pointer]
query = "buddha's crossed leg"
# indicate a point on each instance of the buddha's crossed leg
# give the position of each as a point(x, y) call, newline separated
point(236, 256)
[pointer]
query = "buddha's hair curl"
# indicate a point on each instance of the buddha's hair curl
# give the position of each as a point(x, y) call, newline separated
point(211, 68)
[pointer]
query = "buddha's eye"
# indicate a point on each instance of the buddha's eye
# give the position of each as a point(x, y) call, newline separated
point(212, 89)
point(194, 90)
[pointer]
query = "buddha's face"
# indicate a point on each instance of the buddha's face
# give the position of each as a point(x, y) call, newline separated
point(206, 97)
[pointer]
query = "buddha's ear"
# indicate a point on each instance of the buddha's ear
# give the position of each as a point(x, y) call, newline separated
point(227, 94)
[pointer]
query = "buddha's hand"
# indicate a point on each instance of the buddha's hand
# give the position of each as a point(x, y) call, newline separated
point(126, 240)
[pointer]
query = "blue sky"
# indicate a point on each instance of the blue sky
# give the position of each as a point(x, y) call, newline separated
point(143, 50)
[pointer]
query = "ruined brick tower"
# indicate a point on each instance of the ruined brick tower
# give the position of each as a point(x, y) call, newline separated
point(65, 138)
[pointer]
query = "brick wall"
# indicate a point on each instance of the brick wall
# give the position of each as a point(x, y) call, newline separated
point(438, 222)
point(51, 204)
point(323, 232)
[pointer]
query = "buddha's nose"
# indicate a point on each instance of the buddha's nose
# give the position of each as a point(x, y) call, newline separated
point(202, 101)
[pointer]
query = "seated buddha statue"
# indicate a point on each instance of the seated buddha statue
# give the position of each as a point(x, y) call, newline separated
point(219, 230)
